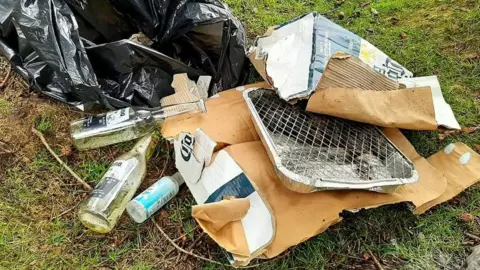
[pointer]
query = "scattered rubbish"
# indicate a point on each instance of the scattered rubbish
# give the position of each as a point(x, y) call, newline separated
point(229, 208)
point(251, 158)
point(473, 261)
point(292, 57)
point(296, 215)
point(341, 93)
point(154, 198)
point(316, 152)
point(124, 124)
point(227, 108)
point(101, 211)
point(53, 44)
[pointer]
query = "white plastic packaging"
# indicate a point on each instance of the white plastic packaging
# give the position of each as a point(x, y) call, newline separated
point(154, 198)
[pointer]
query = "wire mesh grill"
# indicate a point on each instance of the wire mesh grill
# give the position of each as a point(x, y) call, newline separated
point(321, 148)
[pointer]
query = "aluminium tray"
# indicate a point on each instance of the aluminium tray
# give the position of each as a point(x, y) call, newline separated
point(314, 152)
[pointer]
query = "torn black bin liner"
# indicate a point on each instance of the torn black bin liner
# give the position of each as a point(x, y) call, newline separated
point(204, 34)
point(131, 73)
point(43, 44)
point(42, 40)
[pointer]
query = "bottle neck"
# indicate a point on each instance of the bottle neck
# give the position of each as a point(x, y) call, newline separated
point(198, 106)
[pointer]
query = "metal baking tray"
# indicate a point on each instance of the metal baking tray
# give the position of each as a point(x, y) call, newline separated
point(314, 152)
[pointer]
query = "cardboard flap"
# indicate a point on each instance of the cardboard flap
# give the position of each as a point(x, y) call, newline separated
point(443, 112)
point(212, 217)
point(346, 71)
point(284, 56)
point(461, 167)
point(410, 108)
point(227, 109)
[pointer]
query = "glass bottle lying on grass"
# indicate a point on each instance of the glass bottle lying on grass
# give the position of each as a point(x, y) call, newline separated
point(124, 125)
point(101, 211)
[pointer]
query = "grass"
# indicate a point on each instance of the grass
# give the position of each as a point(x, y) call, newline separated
point(39, 229)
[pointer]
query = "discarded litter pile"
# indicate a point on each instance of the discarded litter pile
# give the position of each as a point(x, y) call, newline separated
point(269, 165)
point(276, 172)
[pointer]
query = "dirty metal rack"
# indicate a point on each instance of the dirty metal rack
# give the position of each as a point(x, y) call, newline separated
point(315, 152)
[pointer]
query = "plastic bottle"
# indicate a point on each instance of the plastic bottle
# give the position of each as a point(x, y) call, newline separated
point(109, 199)
point(154, 198)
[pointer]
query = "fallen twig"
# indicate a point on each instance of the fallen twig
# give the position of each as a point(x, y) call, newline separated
point(192, 246)
point(472, 236)
point(64, 212)
point(195, 255)
point(2, 85)
point(40, 135)
point(375, 260)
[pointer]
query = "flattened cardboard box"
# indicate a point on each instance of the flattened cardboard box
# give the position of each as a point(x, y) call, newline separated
point(301, 216)
point(350, 89)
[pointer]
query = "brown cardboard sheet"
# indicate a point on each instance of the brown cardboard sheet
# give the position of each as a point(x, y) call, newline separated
point(185, 91)
point(461, 168)
point(222, 222)
point(410, 108)
point(346, 71)
point(227, 120)
point(352, 90)
point(299, 216)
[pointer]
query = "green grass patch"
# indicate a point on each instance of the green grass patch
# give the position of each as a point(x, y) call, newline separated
point(44, 124)
point(5, 107)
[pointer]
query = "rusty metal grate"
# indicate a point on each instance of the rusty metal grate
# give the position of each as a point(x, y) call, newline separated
point(327, 152)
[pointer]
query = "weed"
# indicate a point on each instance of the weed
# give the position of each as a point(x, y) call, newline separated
point(43, 124)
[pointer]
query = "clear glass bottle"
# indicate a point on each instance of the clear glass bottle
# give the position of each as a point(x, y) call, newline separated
point(101, 211)
point(124, 125)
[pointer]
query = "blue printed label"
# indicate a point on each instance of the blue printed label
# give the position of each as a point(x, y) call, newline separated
point(157, 196)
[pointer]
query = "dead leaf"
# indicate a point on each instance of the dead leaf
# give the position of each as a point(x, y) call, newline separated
point(65, 150)
point(444, 133)
point(466, 217)
point(403, 35)
point(366, 256)
point(468, 130)
point(472, 56)
point(477, 147)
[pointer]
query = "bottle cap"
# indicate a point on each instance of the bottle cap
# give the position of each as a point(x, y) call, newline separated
point(178, 178)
